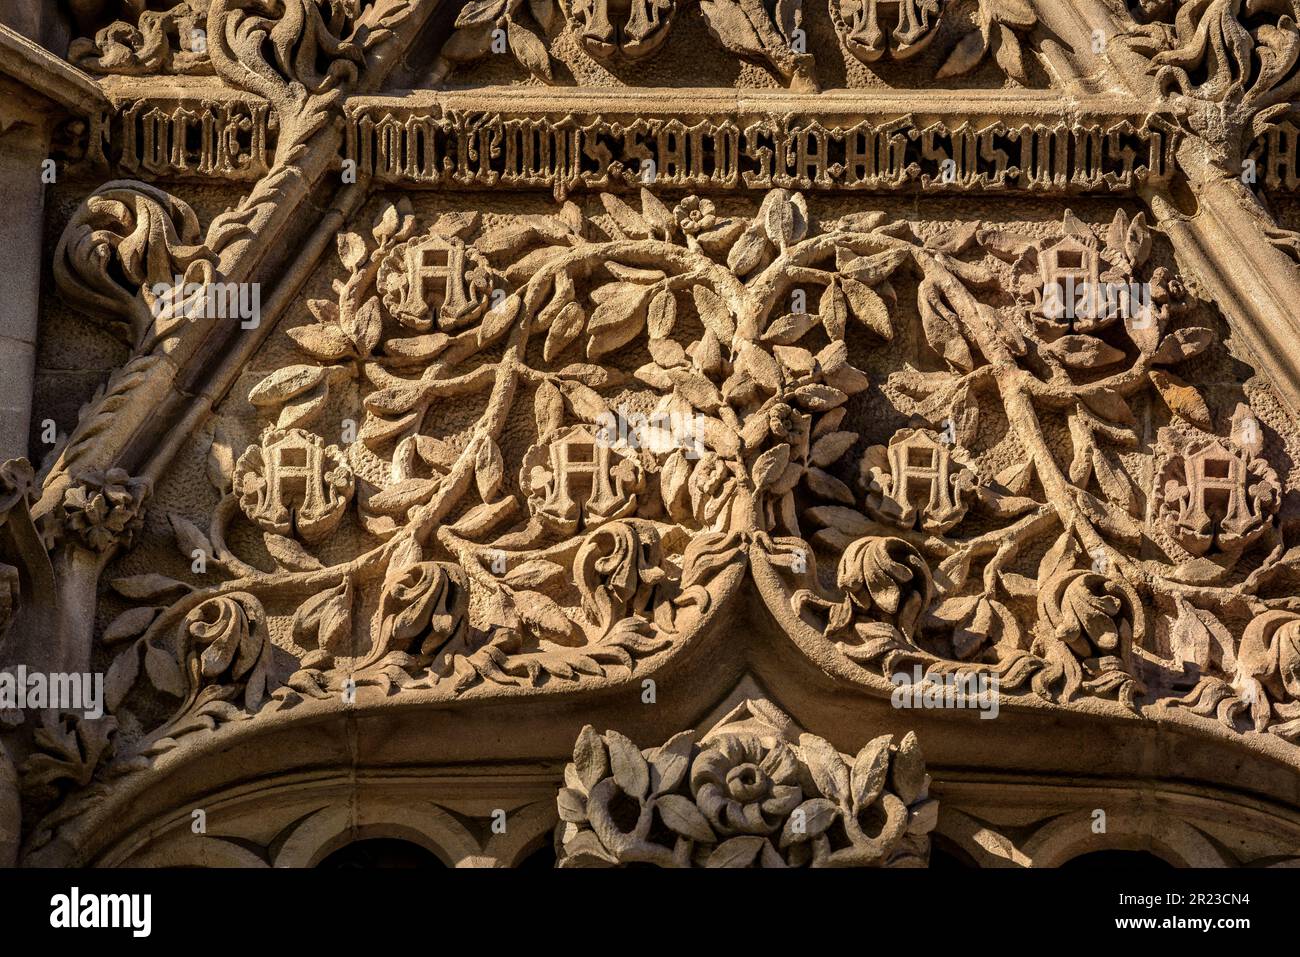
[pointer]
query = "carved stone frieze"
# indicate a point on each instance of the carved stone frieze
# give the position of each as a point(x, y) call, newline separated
point(744, 796)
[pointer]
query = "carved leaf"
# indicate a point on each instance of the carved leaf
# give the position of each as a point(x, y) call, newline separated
point(567, 327)
point(827, 768)
point(683, 817)
point(713, 313)
point(769, 466)
point(833, 311)
point(352, 250)
point(617, 320)
point(586, 403)
point(129, 624)
point(662, 222)
point(1183, 400)
point(831, 448)
point(548, 408)
point(188, 538)
point(529, 49)
point(122, 675)
point(790, 328)
point(738, 851)
point(284, 384)
point(628, 221)
point(869, 770)
point(163, 670)
point(628, 766)
point(1111, 406)
point(869, 308)
point(1010, 56)
point(290, 554)
point(1182, 345)
point(966, 56)
point(817, 815)
point(662, 315)
point(1084, 352)
point(731, 27)
point(149, 587)
point(498, 319)
point(489, 470)
point(221, 461)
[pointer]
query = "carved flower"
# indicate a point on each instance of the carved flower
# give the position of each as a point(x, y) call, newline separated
point(428, 602)
point(744, 787)
point(230, 636)
point(782, 420)
point(1268, 670)
point(886, 576)
point(103, 509)
point(694, 215)
point(1084, 611)
point(619, 572)
point(614, 796)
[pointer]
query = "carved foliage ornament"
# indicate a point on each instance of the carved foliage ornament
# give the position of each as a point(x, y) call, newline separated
point(767, 33)
point(578, 559)
point(742, 796)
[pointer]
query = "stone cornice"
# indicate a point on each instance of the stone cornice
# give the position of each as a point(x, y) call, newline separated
point(41, 72)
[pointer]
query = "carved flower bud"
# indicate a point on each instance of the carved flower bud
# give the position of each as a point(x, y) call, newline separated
point(229, 633)
point(618, 570)
point(886, 576)
point(103, 509)
point(694, 215)
point(743, 787)
point(427, 602)
point(1089, 612)
point(782, 420)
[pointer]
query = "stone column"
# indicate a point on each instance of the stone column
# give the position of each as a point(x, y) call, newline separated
point(37, 90)
point(22, 148)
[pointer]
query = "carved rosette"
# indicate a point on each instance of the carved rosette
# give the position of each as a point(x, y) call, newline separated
point(103, 510)
point(744, 798)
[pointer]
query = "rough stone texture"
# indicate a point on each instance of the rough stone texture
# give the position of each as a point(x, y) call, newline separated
point(637, 395)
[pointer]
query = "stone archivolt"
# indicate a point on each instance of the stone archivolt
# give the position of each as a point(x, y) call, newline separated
point(522, 455)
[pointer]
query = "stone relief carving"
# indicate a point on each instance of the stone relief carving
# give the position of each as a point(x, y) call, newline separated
point(769, 34)
point(475, 592)
point(743, 795)
point(1061, 562)
point(168, 41)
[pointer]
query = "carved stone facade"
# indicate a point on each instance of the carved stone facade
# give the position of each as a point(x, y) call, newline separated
point(848, 433)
